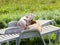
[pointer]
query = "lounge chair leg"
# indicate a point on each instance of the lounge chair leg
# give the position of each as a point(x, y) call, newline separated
point(42, 39)
point(0, 43)
point(49, 39)
point(7, 42)
point(17, 41)
point(57, 37)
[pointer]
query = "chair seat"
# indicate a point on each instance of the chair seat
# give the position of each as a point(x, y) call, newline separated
point(4, 38)
point(29, 33)
point(50, 29)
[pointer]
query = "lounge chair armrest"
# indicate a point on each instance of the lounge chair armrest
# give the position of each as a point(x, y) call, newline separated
point(11, 30)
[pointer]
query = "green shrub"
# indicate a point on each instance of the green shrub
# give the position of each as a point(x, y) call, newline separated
point(53, 1)
point(37, 17)
point(57, 19)
point(7, 20)
point(2, 24)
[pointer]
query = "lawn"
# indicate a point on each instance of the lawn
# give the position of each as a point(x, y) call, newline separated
point(13, 10)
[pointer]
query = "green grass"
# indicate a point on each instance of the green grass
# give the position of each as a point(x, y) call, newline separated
point(13, 10)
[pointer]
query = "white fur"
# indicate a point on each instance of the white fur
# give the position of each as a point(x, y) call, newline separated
point(22, 23)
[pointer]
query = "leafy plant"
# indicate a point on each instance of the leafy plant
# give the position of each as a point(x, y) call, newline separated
point(2, 24)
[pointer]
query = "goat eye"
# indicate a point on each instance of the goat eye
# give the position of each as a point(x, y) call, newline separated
point(26, 16)
point(25, 19)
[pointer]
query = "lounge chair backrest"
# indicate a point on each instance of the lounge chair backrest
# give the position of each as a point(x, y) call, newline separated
point(12, 24)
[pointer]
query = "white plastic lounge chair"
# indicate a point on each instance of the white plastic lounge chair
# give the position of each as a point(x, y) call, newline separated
point(28, 34)
point(17, 35)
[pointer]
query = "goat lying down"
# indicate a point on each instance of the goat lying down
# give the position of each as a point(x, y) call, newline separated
point(27, 22)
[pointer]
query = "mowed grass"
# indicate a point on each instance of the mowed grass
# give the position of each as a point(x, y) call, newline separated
point(13, 10)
